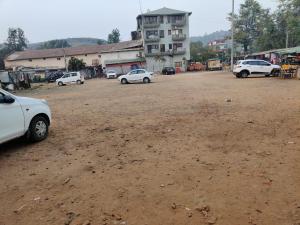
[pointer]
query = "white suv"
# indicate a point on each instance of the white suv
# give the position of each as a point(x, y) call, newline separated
point(136, 76)
point(244, 68)
point(21, 116)
point(70, 78)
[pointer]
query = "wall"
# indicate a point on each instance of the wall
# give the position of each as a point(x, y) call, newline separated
point(123, 55)
point(51, 63)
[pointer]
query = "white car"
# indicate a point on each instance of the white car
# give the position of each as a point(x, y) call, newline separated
point(111, 74)
point(244, 68)
point(136, 76)
point(70, 78)
point(21, 116)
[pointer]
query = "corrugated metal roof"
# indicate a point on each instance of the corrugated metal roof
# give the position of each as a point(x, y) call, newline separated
point(165, 11)
point(83, 50)
point(282, 51)
point(110, 62)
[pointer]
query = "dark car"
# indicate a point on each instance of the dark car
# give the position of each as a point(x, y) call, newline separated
point(54, 76)
point(168, 71)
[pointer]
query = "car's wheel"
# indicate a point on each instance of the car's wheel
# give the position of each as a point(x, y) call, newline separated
point(275, 73)
point(146, 80)
point(78, 82)
point(60, 83)
point(238, 76)
point(124, 81)
point(244, 74)
point(38, 129)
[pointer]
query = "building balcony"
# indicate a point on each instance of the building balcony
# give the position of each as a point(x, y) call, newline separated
point(152, 39)
point(178, 37)
point(151, 25)
point(181, 51)
point(178, 23)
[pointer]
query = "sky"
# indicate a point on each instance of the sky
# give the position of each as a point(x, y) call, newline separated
point(44, 20)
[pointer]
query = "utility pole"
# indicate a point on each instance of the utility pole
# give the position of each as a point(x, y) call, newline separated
point(287, 38)
point(232, 35)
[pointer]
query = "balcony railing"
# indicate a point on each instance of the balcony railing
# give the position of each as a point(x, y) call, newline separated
point(151, 25)
point(179, 51)
point(178, 23)
point(178, 37)
point(152, 39)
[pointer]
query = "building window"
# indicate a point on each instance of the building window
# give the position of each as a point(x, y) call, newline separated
point(170, 46)
point(178, 64)
point(169, 32)
point(161, 33)
point(162, 48)
point(161, 19)
point(58, 58)
point(178, 45)
point(151, 33)
point(151, 20)
point(150, 48)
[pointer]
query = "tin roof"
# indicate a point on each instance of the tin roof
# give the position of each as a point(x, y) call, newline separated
point(82, 50)
point(165, 11)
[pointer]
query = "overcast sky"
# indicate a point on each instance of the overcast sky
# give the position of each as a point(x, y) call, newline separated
point(53, 19)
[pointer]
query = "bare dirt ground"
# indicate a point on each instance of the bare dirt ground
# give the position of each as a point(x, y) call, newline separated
point(200, 148)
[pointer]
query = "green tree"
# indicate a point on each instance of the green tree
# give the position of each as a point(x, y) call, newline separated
point(114, 36)
point(55, 44)
point(248, 24)
point(76, 64)
point(16, 41)
point(201, 53)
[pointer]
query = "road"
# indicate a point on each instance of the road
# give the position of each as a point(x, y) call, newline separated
point(196, 148)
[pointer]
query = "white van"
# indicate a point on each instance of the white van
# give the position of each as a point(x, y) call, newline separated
point(70, 78)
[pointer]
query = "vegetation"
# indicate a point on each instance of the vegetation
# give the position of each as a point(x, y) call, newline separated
point(55, 44)
point(76, 64)
point(16, 41)
point(114, 36)
point(257, 29)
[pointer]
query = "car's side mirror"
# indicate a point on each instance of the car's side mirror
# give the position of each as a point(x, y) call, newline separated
point(8, 99)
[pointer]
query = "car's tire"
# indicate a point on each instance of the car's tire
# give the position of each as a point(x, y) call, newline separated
point(244, 74)
point(78, 82)
point(146, 80)
point(238, 76)
point(60, 83)
point(275, 73)
point(38, 129)
point(124, 81)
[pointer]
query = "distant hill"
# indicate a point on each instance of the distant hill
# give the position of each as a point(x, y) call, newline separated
point(74, 42)
point(205, 39)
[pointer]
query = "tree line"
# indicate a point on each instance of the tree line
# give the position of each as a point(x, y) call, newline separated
point(258, 29)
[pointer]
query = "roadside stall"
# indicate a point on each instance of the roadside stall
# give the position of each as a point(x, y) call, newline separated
point(290, 62)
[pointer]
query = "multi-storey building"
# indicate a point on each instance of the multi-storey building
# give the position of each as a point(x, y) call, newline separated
point(165, 34)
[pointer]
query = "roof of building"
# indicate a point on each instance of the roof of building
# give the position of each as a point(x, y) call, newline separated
point(73, 51)
point(282, 51)
point(165, 11)
point(121, 61)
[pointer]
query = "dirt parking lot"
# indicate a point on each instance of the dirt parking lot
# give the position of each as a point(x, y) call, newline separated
point(192, 149)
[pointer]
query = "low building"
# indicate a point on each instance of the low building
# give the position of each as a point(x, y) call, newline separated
point(93, 56)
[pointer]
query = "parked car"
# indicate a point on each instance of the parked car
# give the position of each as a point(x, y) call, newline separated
point(21, 116)
point(54, 76)
point(245, 68)
point(214, 64)
point(168, 71)
point(70, 78)
point(111, 74)
point(136, 76)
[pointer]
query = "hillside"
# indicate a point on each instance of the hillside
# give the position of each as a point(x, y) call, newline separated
point(205, 39)
point(74, 42)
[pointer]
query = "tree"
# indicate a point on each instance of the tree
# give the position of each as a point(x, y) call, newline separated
point(114, 36)
point(16, 41)
point(248, 24)
point(55, 44)
point(76, 64)
point(101, 42)
point(201, 53)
